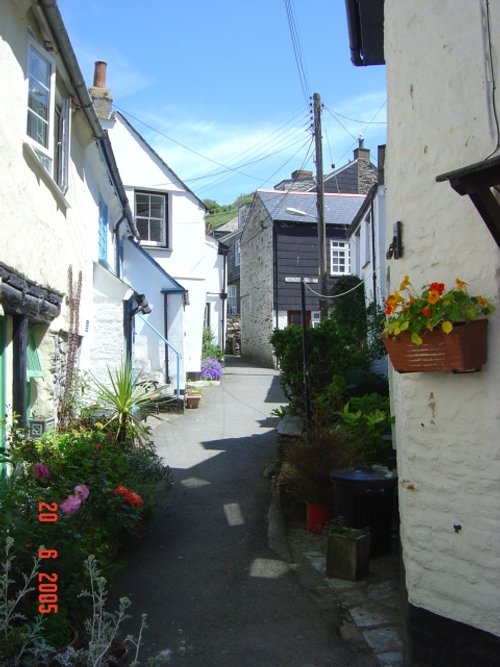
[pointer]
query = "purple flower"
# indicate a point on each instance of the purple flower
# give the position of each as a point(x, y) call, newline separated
point(70, 505)
point(211, 369)
point(40, 471)
point(81, 491)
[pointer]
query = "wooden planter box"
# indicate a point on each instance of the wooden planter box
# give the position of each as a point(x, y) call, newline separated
point(348, 556)
point(461, 351)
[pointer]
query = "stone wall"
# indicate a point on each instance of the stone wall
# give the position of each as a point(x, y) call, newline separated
point(257, 286)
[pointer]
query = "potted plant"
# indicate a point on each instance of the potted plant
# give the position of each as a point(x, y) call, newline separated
point(436, 330)
point(347, 551)
point(193, 397)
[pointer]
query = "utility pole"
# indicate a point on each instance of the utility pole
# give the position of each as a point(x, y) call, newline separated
point(320, 203)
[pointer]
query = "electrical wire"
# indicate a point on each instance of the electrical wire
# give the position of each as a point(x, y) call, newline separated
point(356, 120)
point(297, 49)
point(338, 296)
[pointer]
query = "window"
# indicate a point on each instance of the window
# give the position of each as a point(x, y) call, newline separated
point(232, 300)
point(103, 231)
point(237, 253)
point(41, 79)
point(315, 318)
point(294, 318)
point(151, 218)
point(339, 258)
point(49, 116)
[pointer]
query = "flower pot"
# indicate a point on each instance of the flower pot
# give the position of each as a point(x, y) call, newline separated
point(317, 517)
point(461, 351)
point(348, 554)
point(193, 401)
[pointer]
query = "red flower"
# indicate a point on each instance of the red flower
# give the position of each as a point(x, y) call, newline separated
point(437, 287)
point(131, 497)
point(426, 311)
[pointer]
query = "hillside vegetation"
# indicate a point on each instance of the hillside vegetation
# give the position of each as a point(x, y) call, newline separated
point(219, 214)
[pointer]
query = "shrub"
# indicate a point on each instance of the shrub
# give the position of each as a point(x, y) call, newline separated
point(209, 348)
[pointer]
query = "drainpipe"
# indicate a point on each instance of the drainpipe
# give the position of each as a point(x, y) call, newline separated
point(275, 286)
point(374, 274)
point(223, 250)
point(165, 328)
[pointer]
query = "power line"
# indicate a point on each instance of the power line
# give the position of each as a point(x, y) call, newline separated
point(297, 49)
point(356, 120)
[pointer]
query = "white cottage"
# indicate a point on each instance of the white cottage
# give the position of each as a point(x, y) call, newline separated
point(442, 178)
point(63, 212)
point(180, 269)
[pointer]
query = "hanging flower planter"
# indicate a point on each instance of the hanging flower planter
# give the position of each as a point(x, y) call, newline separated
point(462, 350)
point(436, 330)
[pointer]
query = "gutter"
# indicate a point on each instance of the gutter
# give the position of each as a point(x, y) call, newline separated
point(55, 22)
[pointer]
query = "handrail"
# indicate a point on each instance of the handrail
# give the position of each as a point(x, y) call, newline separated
point(174, 350)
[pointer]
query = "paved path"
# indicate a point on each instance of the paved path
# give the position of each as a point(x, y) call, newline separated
point(214, 592)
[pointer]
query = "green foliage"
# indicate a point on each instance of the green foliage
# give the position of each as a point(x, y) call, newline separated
point(337, 363)
point(124, 402)
point(365, 420)
point(100, 523)
point(209, 349)
point(219, 214)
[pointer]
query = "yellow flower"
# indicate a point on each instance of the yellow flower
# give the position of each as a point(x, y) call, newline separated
point(447, 327)
point(460, 284)
point(482, 302)
point(404, 283)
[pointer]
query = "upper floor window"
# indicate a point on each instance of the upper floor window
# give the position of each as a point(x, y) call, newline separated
point(237, 253)
point(41, 88)
point(339, 258)
point(49, 116)
point(151, 217)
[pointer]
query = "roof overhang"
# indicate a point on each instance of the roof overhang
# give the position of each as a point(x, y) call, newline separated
point(365, 22)
point(477, 181)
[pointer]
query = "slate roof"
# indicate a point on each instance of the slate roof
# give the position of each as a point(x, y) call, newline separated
point(340, 209)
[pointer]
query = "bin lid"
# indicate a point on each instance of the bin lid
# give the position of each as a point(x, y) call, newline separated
point(373, 475)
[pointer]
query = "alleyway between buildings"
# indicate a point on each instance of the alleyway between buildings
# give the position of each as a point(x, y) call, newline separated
point(214, 592)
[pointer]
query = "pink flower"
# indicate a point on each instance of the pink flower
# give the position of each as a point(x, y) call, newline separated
point(40, 471)
point(70, 505)
point(81, 491)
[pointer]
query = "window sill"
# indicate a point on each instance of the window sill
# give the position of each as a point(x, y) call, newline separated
point(35, 164)
point(152, 246)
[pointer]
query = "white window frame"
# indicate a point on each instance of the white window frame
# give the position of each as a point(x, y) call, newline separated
point(315, 318)
point(237, 253)
point(342, 248)
point(63, 145)
point(232, 300)
point(165, 242)
point(44, 153)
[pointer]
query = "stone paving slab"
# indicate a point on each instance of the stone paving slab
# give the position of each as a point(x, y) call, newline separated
point(371, 603)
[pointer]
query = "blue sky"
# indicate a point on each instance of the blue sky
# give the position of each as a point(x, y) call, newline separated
point(214, 85)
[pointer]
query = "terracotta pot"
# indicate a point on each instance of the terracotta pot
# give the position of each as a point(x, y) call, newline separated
point(461, 351)
point(192, 401)
point(317, 517)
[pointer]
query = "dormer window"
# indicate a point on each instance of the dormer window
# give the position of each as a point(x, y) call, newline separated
point(151, 217)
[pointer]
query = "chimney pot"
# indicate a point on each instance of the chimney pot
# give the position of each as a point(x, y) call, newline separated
point(100, 74)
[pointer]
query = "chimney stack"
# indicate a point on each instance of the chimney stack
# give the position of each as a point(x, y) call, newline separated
point(101, 96)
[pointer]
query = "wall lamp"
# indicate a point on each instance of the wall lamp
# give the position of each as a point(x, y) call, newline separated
point(142, 305)
point(395, 250)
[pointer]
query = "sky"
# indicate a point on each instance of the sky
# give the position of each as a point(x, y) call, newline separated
point(221, 88)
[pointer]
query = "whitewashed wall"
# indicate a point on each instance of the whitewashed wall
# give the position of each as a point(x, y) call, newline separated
point(42, 231)
point(447, 426)
point(191, 259)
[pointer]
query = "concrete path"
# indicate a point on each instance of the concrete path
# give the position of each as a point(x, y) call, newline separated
point(214, 592)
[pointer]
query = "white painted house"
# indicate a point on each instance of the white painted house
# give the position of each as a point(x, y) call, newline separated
point(179, 268)
point(63, 212)
point(443, 177)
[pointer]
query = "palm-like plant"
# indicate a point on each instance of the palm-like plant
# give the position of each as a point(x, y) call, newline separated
point(125, 402)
